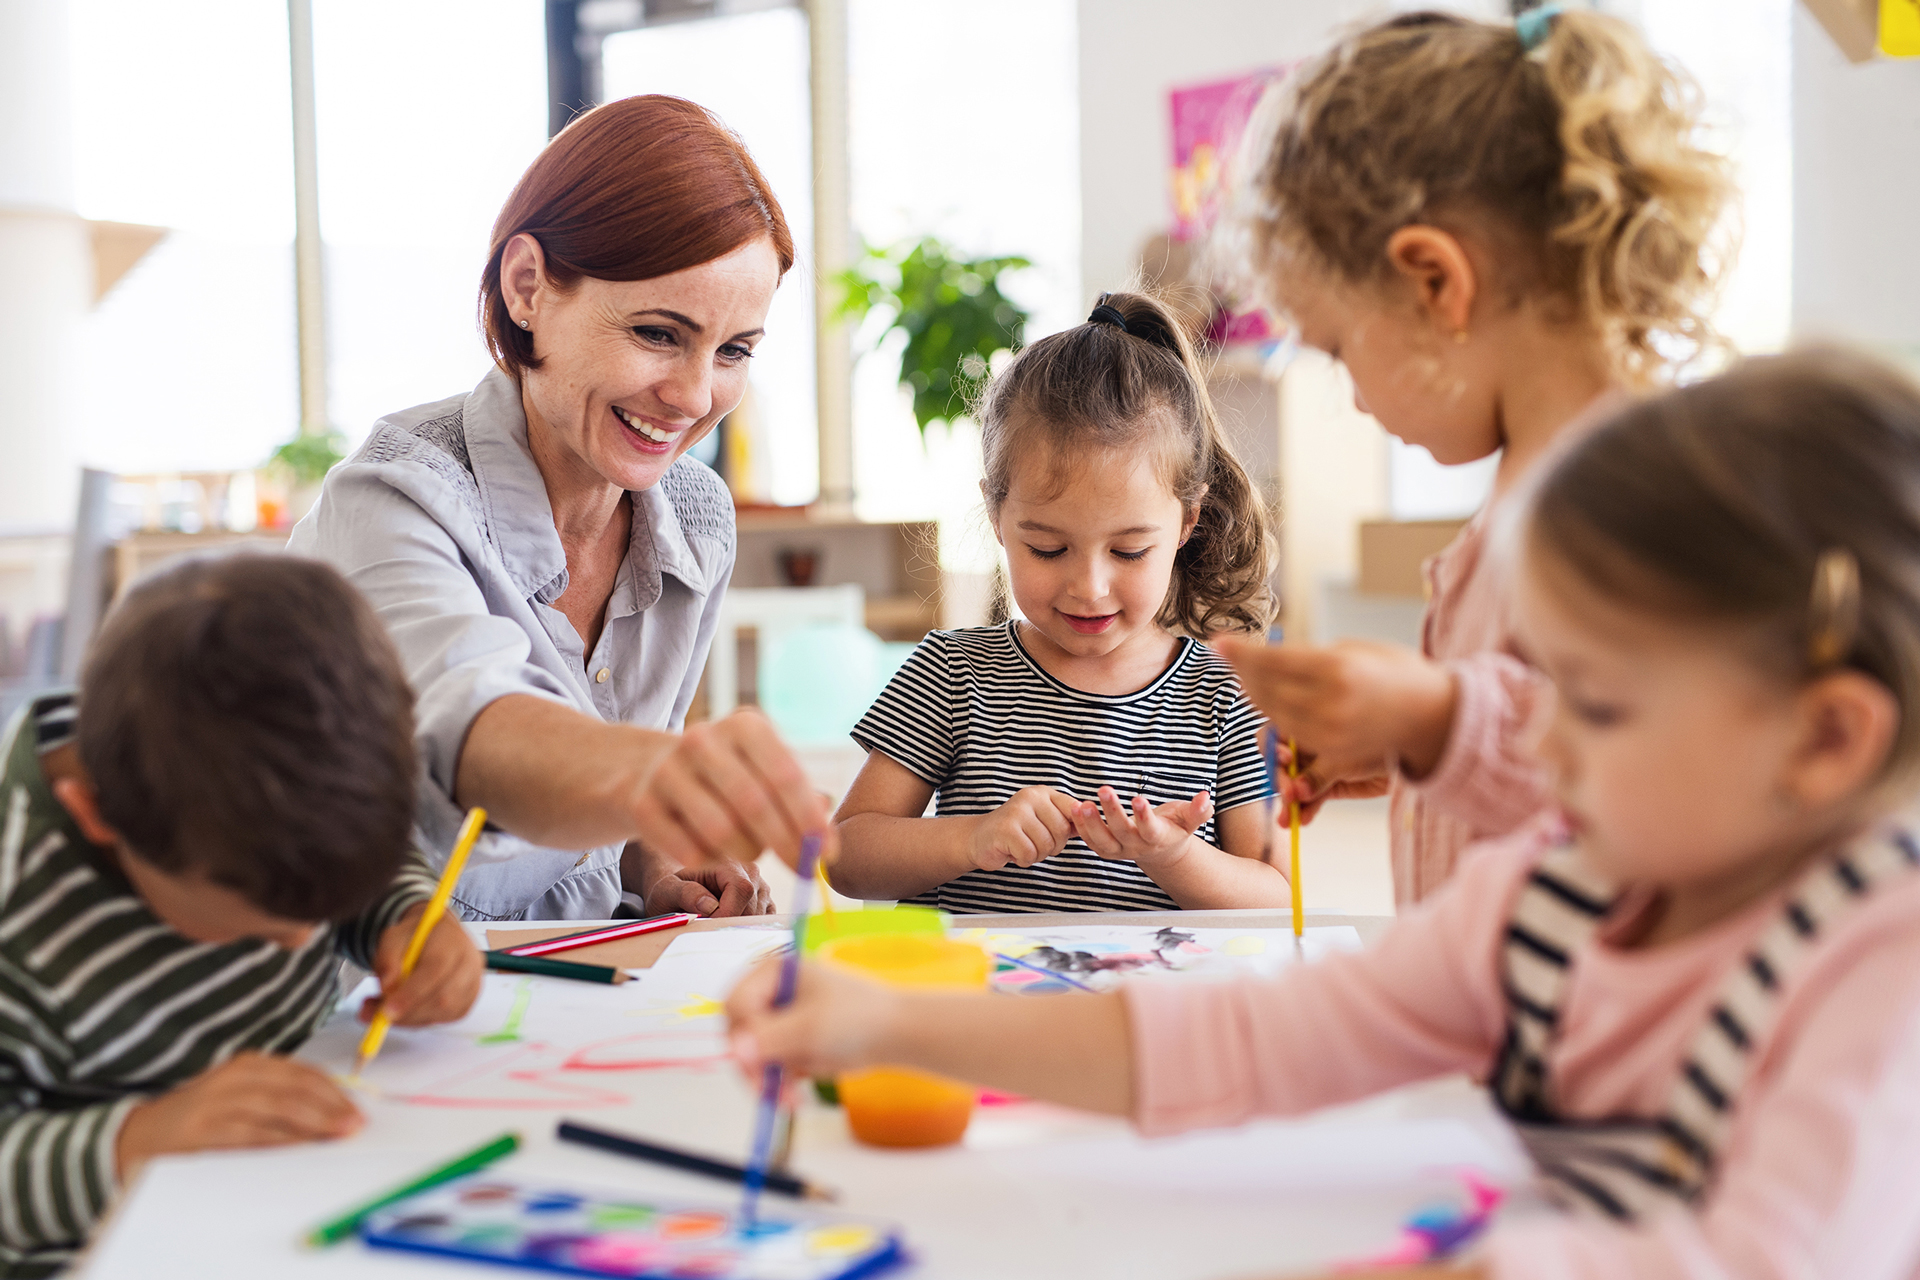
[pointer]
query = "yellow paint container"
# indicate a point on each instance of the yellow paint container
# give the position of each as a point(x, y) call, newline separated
point(896, 1106)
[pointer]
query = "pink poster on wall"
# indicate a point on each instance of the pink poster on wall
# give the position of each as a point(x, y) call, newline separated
point(1209, 121)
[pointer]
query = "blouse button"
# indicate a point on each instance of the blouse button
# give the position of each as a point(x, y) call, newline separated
point(601, 678)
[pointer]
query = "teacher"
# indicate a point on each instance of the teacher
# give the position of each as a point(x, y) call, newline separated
point(549, 562)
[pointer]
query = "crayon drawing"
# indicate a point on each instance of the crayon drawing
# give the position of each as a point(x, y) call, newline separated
point(545, 1044)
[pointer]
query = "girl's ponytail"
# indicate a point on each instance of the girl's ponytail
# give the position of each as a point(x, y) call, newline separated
point(1128, 374)
point(1640, 199)
point(1579, 154)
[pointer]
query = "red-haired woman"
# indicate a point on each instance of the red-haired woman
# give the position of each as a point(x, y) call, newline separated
point(549, 562)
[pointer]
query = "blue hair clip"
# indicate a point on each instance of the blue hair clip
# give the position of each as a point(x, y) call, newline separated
point(1535, 25)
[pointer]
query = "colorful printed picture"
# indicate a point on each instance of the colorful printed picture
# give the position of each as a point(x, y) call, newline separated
point(1095, 957)
point(568, 1231)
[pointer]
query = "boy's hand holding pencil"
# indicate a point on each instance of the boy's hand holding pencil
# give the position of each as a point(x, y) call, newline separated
point(445, 980)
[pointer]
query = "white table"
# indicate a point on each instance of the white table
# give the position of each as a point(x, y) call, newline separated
point(1033, 1191)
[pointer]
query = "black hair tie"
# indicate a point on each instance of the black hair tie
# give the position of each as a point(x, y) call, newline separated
point(1104, 314)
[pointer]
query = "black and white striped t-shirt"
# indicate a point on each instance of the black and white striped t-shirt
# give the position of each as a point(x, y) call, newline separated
point(102, 1005)
point(973, 715)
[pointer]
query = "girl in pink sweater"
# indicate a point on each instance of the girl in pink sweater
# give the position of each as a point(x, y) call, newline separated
point(1498, 231)
point(1693, 983)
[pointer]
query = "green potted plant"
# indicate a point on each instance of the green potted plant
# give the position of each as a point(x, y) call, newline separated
point(952, 311)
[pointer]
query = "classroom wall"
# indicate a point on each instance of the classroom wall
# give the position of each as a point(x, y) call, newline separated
point(1131, 53)
point(46, 261)
point(1856, 202)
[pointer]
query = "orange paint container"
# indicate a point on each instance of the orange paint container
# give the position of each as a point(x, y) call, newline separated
point(895, 1106)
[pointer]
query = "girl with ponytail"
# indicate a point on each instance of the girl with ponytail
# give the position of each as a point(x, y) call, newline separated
point(1093, 754)
point(1500, 231)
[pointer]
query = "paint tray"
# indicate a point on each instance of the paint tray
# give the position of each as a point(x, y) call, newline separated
point(538, 1226)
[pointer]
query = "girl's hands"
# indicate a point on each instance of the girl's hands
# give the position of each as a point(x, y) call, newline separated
point(1033, 825)
point(835, 1022)
point(728, 789)
point(1155, 838)
point(445, 980)
point(1355, 708)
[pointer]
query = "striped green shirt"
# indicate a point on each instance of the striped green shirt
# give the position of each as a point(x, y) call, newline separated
point(102, 1005)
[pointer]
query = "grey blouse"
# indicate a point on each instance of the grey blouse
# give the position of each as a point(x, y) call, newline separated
point(441, 519)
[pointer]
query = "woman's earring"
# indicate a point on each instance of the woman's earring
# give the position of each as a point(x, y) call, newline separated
point(526, 324)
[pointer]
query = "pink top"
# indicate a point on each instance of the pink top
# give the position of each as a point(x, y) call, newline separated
point(1485, 784)
point(1819, 1171)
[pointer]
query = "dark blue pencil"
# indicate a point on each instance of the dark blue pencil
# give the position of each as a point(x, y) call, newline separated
point(770, 1084)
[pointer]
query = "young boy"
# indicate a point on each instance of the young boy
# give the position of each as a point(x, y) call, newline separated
point(186, 852)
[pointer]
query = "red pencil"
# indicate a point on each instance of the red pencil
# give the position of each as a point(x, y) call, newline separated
point(632, 929)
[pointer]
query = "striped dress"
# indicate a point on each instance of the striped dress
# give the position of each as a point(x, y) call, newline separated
point(973, 715)
point(102, 1005)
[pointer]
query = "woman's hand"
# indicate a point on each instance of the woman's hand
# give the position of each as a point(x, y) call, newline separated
point(1033, 825)
point(1155, 838)
point(1355, 708)
point(835, 1022)
point(716, 889)
point(726, 790)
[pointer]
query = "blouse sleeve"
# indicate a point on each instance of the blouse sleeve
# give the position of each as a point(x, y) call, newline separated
point(459, 656)
point(912, 721)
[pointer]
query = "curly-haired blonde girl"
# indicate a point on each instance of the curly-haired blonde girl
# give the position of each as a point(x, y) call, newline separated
point(1132, 534)
point(1496, 229)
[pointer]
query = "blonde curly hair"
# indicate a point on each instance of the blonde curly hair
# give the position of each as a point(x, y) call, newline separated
point(1582, 159)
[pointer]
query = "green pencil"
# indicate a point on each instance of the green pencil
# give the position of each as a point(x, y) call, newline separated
point(555, 968)
point(343, 1226)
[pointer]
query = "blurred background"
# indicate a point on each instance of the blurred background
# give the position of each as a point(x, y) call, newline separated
point(233, 233)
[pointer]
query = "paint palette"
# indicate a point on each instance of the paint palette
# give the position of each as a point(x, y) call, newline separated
point(539, 1227)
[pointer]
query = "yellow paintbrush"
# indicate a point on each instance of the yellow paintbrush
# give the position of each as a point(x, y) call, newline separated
point(436, 905)
point(1293, 873)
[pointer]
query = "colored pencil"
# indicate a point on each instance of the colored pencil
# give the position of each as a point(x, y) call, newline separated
point(770, 1083)
point(1293, 874)
point(1040, 968)
point(506, 962)
point(436, 907)
point(344, 1225)
point(620, 1144)
point(611, 933)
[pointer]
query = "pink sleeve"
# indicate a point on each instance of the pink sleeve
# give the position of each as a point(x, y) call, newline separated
point(1423, 1001)
point(1819, 1178)
point(1486, 778)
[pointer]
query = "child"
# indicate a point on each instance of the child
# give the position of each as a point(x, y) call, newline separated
point(1127, 521)
point(1522, 245)
point(1695, 986)
point(185, 856)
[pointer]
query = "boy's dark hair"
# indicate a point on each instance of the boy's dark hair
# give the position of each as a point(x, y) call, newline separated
point(247, 718)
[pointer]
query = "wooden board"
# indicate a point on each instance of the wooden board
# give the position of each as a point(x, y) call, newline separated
point(622, 953)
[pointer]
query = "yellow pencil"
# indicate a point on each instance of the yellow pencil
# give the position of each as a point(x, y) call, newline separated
point(436, 905)
point(1293, 819)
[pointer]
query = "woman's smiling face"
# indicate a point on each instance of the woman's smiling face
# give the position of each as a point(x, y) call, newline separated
point(635, 372)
